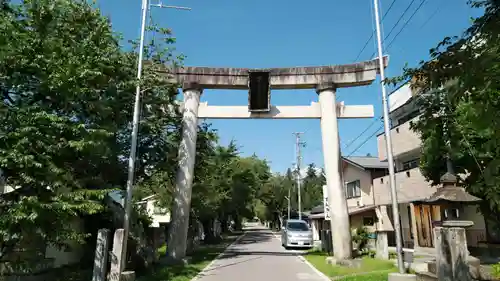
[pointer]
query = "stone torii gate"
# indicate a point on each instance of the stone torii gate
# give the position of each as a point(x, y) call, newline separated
point(325, 79)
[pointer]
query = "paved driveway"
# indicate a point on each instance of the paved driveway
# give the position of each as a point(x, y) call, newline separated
point(258, 256)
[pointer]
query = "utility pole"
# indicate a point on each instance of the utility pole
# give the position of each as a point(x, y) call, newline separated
point(288, 199)
point(388, 145)
point(298, 145)
point(135, 128)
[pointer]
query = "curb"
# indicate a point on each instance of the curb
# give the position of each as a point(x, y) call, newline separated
point(211, 264)
point(321, 274)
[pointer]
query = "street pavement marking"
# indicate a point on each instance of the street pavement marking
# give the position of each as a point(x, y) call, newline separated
point(321, 275)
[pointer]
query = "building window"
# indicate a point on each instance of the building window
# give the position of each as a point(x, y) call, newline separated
point(410, 164)
point(353, 189)
point(368, 221)
point(408, 117)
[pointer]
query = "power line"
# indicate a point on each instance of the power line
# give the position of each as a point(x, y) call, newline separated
point(397, 22)
point(363, 132)
point(441, 5)
point(406, 23)
point(371, 35)
point(365, 141)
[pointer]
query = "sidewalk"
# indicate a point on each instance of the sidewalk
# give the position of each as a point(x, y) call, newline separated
point(258, 255)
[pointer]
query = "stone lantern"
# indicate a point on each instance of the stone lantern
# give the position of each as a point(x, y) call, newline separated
point(451, 198)
point(452, 255)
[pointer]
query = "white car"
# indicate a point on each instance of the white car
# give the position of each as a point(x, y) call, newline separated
point(296, 234)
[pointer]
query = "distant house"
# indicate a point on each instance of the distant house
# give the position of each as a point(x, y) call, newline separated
point(358, 174)
point(418, 219)
point(159, 215)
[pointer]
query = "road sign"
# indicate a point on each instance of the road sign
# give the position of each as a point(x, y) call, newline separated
point(326, 206)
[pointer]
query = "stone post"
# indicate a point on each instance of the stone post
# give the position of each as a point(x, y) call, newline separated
point(451, 254)
point(342, 240)
point(101, 256)
point(414, 229)
point(382, 246)
point(178, 230)
point(383, 226)
point(117, 264)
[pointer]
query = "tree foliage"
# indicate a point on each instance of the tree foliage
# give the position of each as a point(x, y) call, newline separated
point(67, 86)
point(460, 105)
point(67, 90)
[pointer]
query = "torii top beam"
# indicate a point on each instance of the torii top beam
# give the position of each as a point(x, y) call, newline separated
point(347, 75)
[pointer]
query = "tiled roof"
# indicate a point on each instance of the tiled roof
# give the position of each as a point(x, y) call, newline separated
point(367, 162)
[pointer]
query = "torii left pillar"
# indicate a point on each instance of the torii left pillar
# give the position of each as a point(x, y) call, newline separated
point(179, 224)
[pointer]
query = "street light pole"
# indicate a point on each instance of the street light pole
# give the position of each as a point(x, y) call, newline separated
point(133, 145)
point(135, 129)
point(288, 199)
point(388, 144)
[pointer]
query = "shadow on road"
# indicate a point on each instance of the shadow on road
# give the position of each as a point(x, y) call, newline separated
point(231, 264)
point(237, 253)
point(256, 237)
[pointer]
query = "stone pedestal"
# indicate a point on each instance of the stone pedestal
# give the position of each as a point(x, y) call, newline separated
point(401, 277)
point(116, 256)
point(128, 276)
point(101, 256)
point(452, 253)
point(382, 246)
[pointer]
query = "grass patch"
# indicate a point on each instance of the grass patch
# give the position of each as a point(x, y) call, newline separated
point(199, 260)
point(370, 270)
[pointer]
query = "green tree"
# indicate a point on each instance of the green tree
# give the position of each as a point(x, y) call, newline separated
point(459, 89)
point(67, 94)
point(312, 187)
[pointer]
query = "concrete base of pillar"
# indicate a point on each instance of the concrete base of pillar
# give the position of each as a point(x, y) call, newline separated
point(402, 277)
point(382, 246)
point(128, 276)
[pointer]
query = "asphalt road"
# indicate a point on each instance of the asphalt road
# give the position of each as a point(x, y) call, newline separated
point(259, 256)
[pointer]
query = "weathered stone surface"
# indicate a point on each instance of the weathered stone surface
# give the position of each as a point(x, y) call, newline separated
point(349, 75)
point(101, 255)
point(382, 246)
point(116, 256)
point(426, 276)
point(452, 254)
point(402, 277)
point(352, 263)
point(128, 276)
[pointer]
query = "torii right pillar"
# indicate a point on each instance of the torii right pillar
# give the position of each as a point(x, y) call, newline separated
point(339, 215)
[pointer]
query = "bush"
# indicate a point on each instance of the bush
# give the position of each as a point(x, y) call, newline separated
point(361, 238)
point(496, 270)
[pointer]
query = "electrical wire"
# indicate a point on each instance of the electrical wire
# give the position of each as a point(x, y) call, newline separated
point(406, 23)
point(366, 140)
point(373, 30)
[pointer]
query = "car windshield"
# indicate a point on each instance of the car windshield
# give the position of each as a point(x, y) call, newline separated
point(297, 226)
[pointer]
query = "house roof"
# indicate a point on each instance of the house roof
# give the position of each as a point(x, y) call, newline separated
point(352, 211)
point(366, 162)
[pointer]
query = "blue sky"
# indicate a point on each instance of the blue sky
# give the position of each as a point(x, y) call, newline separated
point(285, 33)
